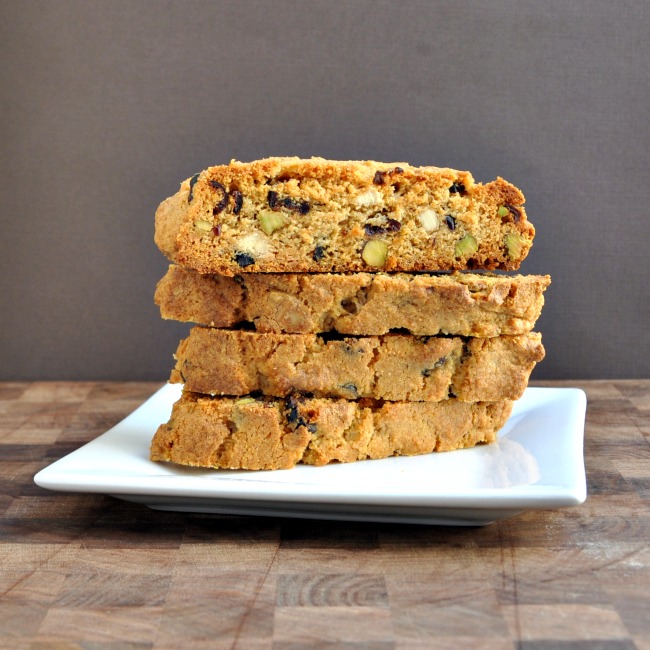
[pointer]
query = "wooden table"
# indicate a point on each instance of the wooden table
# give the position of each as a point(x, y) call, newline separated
point(94, 572)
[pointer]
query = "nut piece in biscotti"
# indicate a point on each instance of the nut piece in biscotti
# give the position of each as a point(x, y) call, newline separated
point(463, 304)
point(267, 433)
point(315, 215)
point(393, 367)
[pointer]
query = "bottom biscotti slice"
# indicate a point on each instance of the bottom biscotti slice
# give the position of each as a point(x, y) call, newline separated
point(267, 433)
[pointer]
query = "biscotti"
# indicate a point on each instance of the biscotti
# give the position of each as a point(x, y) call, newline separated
point(315, 215)
point(463, 304)
point(392, 367)
point(267, 433)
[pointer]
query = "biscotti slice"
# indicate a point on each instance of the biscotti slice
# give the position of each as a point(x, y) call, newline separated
point(463, 304)
point(315, 215)
point(267, 433)
point(392, 367)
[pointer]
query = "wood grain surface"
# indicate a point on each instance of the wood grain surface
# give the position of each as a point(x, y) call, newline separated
point(94, 572)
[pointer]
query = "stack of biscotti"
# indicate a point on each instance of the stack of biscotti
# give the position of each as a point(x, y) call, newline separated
point(339, 312)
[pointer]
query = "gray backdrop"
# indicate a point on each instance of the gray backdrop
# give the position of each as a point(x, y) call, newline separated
point(107, 106)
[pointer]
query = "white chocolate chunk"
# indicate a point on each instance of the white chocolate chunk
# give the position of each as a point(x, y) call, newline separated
point(429, 220)
point(368, 198)
point(253, 244)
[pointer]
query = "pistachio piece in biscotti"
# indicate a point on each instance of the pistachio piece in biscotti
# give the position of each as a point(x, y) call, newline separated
point(514, 245)
point(271, 221)
point(466, 246)
point(375, 252)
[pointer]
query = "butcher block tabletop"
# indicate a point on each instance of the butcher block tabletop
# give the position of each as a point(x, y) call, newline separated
point(95, 572)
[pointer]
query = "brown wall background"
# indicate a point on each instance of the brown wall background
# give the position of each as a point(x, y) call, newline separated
point(107, 106)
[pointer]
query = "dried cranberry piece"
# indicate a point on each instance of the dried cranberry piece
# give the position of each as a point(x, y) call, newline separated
point(290, 204)
point(516, 214)
point(457, 188)
point(373, 230)
point(244, 259)
point(392, 225)
point(238, 198)
point(223, 202)
point(451, 222)
point(216, 230)
point(294, 417)
point(296, 204)
point(318, 254)
point(193, 180)
point(438, 364)
point(379, 177)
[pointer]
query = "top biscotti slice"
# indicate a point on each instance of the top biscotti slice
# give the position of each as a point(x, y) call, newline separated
point(315, 215)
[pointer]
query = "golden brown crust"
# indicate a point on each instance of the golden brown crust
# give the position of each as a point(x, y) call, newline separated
point(315, 215)
point(391, 367)
point(464, 304)
point(269, 434)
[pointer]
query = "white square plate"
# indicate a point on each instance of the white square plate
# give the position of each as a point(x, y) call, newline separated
point(536, 463)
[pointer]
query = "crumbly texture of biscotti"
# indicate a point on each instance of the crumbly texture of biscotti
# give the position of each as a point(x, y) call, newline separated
point(267, 433)
point(315, 215)
point(463, 304)
point(392, 367)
